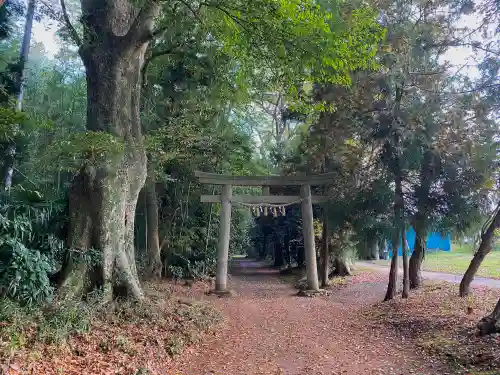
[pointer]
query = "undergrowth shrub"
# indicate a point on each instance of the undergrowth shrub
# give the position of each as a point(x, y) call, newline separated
point(26, 326)
point(30, 249)
point(25, 273)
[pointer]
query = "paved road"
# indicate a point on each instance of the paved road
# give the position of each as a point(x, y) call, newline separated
point(478, 281)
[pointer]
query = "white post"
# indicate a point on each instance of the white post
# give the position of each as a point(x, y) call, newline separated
point(308, 229)
point(224, 233)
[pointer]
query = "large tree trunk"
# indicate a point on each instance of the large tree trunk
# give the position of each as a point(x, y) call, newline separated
point(325, 254)
point(155, 265)
point(340, 262)
point(406, 278)
point(417, 258)
point(482, 251)
point(491, 323)
point(103, 196)
point(342, 266)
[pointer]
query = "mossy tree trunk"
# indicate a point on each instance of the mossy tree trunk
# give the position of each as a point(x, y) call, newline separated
point(341, 263)
point(104, 194)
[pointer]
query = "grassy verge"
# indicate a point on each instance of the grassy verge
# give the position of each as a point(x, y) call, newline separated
point(87, 338)
point(457, 261)
point(443, 325)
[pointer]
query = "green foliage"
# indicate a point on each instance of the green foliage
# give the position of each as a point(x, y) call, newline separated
point(295, 38)
point(64, 320)
point(9, 123)
point(85, 148)
point(25, 275)
point(23, 327)
point(30, 251)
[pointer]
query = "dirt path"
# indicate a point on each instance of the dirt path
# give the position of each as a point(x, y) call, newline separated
point(449, 277)
point(268, 330)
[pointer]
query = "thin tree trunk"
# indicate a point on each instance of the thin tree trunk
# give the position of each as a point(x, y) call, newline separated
point(483, 250)
point(427, 175)
point(19, 87)
point(263, 248)
point(416, 259)
point(491, 323)
point(374, 249)
point(325, 254)
point(152, 231)
point(393, 273)
point(104, 194)
point(301, 255)
point(398, 214)
point(382, 248)
point(406, 278)
point(288, 257)
point(278, 252)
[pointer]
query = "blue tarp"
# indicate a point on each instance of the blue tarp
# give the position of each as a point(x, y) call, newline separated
point(435, 241)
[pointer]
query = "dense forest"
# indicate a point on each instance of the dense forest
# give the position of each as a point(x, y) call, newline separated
point(100, 142)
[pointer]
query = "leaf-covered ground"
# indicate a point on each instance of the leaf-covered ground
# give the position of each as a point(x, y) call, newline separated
point(269, 330)
point(444, 325)
point(133, 339)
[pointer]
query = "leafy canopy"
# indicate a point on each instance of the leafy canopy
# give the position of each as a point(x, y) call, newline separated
point(290, 41)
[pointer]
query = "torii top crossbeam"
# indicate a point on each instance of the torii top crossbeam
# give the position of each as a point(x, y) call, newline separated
point(217, 179)
point(226, 198)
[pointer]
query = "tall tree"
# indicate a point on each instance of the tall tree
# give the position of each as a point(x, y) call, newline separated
point(116, 35)
point(19, 88)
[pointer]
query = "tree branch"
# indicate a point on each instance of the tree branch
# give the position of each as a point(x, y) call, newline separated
point(192, 10)
point(72, 31)
point(141, 28)
point(156, 54)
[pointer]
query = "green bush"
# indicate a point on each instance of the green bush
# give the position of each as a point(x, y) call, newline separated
point(30, 251)
point(25, 276)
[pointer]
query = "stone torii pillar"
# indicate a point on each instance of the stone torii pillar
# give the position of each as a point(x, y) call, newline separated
point(308, 232)
point(227, 182)
point(224, 236)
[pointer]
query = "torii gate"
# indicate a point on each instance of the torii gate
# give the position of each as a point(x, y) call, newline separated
point(305, 198)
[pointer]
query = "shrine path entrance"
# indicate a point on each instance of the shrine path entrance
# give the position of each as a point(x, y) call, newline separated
point(269, 331)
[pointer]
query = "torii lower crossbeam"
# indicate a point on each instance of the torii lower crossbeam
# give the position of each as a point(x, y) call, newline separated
point(305, 199)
